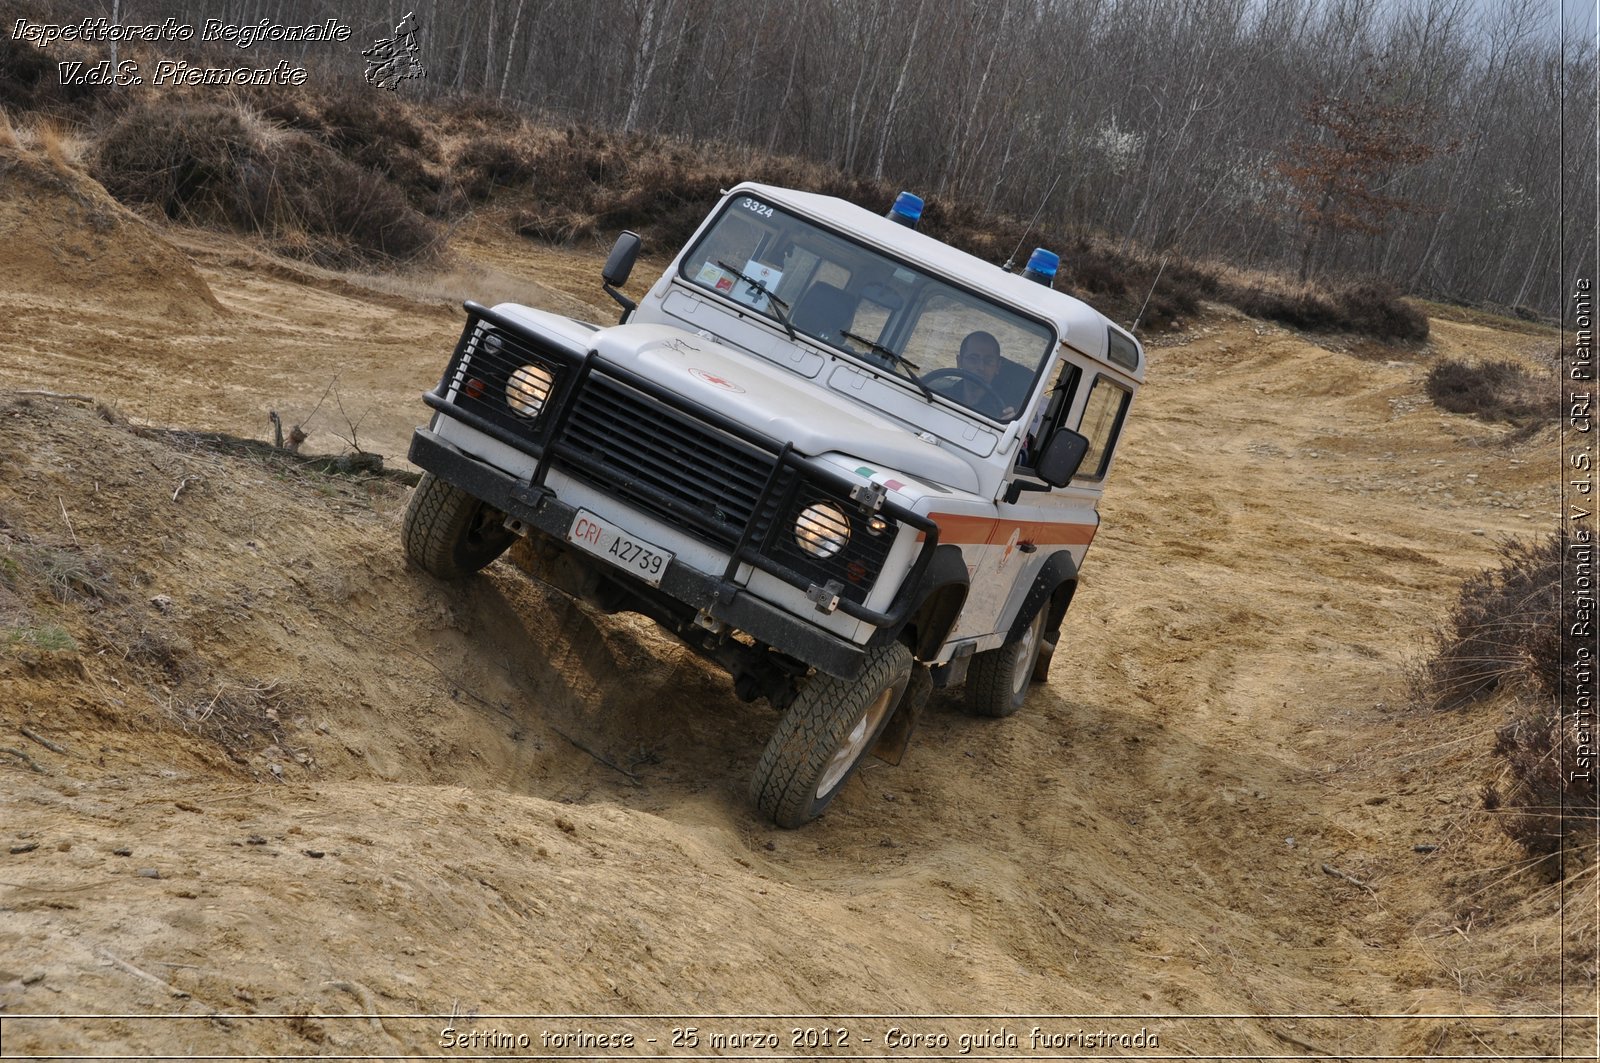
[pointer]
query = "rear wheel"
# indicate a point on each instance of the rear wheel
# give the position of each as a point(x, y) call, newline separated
point(450, 533)
point(997, 679)
point(824, 736)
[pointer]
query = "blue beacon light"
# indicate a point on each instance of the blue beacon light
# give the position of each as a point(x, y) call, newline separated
point(1042, 266)
point(907, 210)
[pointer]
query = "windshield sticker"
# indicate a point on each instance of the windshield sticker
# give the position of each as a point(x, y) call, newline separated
point(716, 381)
point(714, 276)
point(755, 295)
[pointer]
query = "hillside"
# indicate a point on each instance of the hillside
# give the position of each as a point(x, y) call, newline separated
point(283, 774)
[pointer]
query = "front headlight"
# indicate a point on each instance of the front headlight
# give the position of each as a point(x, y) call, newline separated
point(822, 529)
point(528, 389)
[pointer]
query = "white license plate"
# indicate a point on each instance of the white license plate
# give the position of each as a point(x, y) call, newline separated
point(605, 540)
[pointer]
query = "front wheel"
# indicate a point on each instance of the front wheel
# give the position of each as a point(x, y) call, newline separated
point(997, 679)
point(450, 533)
point(825, 735)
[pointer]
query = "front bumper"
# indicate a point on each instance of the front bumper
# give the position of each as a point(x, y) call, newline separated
point(538, 507)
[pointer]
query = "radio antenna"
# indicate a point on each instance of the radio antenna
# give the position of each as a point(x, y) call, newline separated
point(1140, 315)
point(1012, 261)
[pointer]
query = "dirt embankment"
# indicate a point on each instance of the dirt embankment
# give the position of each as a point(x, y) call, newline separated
point(281, 773)
point(67, 241)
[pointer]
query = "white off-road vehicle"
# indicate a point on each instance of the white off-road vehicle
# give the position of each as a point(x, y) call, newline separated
point(841, 459)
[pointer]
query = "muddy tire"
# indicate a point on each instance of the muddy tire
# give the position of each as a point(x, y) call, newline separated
point(825, 735)
point(450, 533)
point(998, 679)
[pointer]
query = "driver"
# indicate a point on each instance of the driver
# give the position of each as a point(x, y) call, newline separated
point(980, 356)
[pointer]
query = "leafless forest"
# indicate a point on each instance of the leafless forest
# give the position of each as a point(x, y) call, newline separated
point(1442, 145)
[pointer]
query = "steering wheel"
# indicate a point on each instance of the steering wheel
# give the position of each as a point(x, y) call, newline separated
point(989, 403)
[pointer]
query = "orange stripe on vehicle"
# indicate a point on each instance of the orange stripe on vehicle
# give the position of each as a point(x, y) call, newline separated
point(964, 529)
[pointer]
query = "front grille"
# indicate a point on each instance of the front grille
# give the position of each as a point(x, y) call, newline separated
point(674, 466)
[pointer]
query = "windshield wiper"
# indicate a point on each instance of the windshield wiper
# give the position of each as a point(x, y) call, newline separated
point(894, 358)
point(779, 307)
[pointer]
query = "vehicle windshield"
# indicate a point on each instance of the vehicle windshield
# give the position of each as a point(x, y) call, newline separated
point(865, 303)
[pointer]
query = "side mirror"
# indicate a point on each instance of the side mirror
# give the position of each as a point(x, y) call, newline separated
point(1062, 455)
point(623, 255)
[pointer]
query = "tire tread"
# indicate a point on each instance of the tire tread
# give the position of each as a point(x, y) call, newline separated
point(783, 785)
point(435, 529)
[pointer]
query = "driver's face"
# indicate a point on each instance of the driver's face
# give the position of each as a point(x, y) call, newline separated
point(981, 359)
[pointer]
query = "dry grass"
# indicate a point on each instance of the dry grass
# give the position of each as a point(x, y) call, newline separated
point(1498, 390)
point(47, 137)
point(63, 149)
point(220, 164)
point(1505, 633)
point(239, 717)
point(1544, 803)
point(1487, 317)
point(1367, 308)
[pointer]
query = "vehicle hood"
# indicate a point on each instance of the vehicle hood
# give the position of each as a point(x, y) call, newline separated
point(779, 403)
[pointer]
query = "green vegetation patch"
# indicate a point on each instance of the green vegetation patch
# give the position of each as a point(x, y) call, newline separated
point(51, 637)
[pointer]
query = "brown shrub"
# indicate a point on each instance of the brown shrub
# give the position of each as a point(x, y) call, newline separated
point(1376, 309)
point(1546, 802)
point(488, 163)
point(1498, 390)
point(374, 131)
point(359, 121)
point(380, 133)
point(1504, 629)
point(30, 80)
point(213, 163)
point(1369, 308)
point(1097, 273)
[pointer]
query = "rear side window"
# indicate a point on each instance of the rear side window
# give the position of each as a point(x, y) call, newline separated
point(1121, 349)
point(1103, 411)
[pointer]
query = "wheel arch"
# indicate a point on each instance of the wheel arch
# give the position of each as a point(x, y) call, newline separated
point(940, 599)
point(1052, 589)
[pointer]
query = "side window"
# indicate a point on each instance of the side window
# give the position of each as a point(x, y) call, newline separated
point(1102, 420)
point(1060, 397)
point(1053, 414)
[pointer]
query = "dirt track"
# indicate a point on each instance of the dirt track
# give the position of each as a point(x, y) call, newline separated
point(363, 792)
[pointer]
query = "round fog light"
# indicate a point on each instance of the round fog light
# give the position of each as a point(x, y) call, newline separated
point(528, 389)
point(822, 529)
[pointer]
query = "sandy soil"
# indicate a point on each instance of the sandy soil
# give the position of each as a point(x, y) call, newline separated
point(294, 797)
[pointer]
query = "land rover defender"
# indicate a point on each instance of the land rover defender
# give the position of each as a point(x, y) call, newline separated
point(840, 458)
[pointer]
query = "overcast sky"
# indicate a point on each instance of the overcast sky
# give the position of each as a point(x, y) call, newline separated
point(1580, 16)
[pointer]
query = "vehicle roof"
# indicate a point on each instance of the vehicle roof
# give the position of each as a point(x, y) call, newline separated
point(1079, 324)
